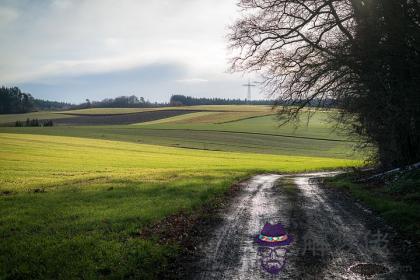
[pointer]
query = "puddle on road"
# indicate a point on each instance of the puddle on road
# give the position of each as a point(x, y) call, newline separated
point(368, 269)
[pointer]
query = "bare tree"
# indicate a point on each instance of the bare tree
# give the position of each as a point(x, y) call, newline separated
point(318, 50)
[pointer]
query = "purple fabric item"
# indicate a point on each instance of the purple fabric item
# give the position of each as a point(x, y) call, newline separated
point(275, 230)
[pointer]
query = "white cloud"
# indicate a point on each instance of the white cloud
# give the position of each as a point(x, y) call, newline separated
point(78, 37)
point(61, 4)
point(192, 81)
point(7, 15)
point(61, 42)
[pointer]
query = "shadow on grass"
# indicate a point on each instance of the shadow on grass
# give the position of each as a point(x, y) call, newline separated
point(87, 231)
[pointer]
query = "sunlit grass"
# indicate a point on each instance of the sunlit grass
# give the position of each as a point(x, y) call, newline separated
point(72, 207)
point(34, 160)
point(241, 136)
point(318, 125)
point(208, 117)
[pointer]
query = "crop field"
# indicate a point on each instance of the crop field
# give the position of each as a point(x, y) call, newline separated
point(220, 108)
point(318, 126)
point(236, 131)
point(107, 116)
point(12, 118)
point(120, 118)
point(74, 198)
point(209, 117)
point(204, 140)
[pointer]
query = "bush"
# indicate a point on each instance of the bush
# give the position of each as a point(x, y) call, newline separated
point(33, 122)
point(407, 183)
point(48, 123)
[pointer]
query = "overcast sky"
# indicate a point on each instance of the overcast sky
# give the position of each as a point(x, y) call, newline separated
point(71, 50)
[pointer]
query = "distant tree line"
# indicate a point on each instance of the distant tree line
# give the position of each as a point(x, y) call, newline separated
point(182, 100)
point(14, 101)
point(34, 122)
point(46, 105)
point(118, 102)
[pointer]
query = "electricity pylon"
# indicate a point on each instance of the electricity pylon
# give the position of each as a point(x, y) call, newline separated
point(249, 85)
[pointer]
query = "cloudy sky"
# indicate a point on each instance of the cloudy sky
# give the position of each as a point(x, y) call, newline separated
point(71, 50)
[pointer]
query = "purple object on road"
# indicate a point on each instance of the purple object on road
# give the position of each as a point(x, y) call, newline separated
point(273, 235)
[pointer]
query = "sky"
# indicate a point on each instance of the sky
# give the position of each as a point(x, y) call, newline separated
point(70, 50)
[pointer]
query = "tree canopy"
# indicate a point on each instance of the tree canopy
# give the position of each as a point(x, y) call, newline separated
point(131, 101)
point(13, 101)
point(363, 54)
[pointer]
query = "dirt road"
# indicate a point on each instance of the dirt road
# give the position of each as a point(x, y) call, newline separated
point(334, 237)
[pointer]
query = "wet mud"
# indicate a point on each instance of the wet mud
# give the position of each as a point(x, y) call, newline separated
point(331, 235)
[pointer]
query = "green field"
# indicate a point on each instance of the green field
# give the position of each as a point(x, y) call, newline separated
point(225, 112)
point(205, 140)
point(5, 119)
point(318, 126)
point(227, 108)
point(73, 199)
point(233, 131)
point(210, 117)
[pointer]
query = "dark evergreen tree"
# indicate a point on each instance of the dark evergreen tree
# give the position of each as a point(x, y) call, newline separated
point(13, 101)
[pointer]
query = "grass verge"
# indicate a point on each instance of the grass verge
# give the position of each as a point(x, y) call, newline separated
point(397, 201)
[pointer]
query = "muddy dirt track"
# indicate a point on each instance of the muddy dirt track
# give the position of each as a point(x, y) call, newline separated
point(331, 233)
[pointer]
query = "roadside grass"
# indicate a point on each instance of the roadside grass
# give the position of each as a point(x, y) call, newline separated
point(397, 201)
point(72, 207)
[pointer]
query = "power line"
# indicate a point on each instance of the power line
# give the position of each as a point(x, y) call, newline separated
point(249, 85)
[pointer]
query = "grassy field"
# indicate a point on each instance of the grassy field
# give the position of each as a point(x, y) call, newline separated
point(204, 140)
point(217, 131)
point(72, 207)
point(318, 125)
point(11, 118)
point(220, 113)
point(74, 198)
point(227, 108)
point(209, 117)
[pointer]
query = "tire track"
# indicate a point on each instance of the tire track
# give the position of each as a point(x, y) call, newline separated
point(310, 214)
